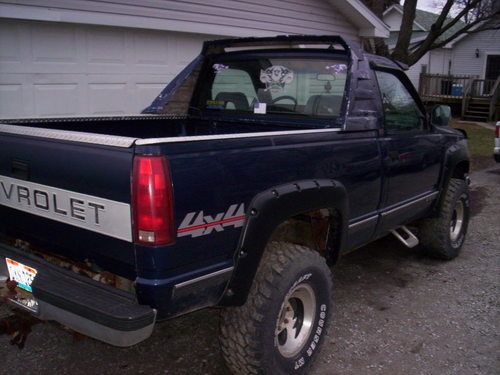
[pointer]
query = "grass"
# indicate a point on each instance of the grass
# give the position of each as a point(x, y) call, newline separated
point(481, 141)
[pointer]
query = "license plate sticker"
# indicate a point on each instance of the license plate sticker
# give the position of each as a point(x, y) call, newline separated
point(21, 274)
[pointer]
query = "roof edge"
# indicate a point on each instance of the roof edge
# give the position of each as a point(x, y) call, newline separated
point(399, 10)
point(361, 16)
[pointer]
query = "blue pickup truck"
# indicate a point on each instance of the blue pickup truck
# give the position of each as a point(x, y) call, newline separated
point(238, 187)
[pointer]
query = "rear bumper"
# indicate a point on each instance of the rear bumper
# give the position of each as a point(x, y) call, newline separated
point(84, 305)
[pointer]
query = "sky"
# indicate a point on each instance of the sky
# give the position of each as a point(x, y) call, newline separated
point(429, 5)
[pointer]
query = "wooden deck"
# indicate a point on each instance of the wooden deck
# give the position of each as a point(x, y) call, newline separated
point(478, 98)
point(442, 98)
point(443, 88)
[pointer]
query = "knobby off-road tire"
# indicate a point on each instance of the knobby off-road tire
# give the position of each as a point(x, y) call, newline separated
point(442, 237)
point(279, 329)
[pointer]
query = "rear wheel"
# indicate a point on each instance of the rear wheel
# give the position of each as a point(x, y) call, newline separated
point(279, 329)
point(443, 236)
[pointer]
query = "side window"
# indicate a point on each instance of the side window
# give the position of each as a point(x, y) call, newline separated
point(401, 113)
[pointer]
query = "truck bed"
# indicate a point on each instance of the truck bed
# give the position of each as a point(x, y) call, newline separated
point(151, 126)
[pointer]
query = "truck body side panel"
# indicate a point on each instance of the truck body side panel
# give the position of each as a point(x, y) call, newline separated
point(215, 181)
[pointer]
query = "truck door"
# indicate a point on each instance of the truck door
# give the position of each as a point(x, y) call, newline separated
point(411, 151)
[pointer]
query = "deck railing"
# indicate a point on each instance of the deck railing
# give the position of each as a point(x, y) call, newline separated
point(434, 87)
point(482, 87)
point(495, 98)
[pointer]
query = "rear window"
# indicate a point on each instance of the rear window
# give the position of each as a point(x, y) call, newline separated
point(312, 87)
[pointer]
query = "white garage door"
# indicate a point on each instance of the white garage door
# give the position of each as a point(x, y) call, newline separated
point(57, 69)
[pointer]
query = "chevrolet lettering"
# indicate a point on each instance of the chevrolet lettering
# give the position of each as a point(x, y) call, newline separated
point(96, 214)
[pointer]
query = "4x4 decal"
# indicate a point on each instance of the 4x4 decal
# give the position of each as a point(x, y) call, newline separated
point(197, 224)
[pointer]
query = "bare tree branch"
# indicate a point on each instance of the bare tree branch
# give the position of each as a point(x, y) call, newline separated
point(469, 29)
point(464, 30)
point(468, 16)
point(437, 29)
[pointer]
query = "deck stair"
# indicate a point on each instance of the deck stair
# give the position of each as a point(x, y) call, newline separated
point(478, 109)
point(481, 100)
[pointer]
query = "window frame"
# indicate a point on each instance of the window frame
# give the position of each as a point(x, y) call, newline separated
point(405, 81)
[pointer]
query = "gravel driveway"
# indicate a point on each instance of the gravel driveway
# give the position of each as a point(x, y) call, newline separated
point(396, 312)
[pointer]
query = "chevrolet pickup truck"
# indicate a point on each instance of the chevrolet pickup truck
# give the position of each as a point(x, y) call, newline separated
point(238, 187)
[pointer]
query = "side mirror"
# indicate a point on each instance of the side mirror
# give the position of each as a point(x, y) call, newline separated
point(440, 115)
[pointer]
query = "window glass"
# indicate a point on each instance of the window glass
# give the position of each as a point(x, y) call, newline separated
point(233, 81)
point(289, 85)
point(401, 113)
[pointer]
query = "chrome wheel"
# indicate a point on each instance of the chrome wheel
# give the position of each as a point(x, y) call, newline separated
point(457, 220)
point(295, 321)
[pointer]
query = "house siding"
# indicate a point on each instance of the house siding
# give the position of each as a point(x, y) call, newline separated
point(414, 71)
point(220, 17)
point(464, 59)
point(439, 61)
point(393, 20)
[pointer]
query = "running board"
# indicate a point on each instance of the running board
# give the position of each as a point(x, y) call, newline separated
point(405, 236)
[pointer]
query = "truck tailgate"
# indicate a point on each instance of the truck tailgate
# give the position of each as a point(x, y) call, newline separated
point(68, 198)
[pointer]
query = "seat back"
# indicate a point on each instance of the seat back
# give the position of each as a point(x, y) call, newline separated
point(238, 99)
point(323, 105)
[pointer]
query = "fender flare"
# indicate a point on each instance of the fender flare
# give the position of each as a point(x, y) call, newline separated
point(266, 212)
point(455, 154)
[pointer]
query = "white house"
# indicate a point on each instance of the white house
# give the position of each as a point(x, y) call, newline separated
point(477, 54)
point(470, 54)
point(82, 57)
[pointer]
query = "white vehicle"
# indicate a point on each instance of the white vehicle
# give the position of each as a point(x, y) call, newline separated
point(496, 150)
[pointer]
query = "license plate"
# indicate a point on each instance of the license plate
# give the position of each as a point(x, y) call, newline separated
point(21, 274)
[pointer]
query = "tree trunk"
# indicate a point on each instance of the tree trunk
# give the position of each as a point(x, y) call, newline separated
point(378, 47)
point(401, 50)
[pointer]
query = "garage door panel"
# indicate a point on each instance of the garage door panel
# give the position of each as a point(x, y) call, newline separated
point(10, 43)
point(151, 49)
point(106, 46)
point(11, 100)
point(54, 43)
point(56, 99)
point(108, 98)
point(52, 68)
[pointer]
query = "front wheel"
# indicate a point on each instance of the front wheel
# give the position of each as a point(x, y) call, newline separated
point(279, 329)
point(442, 237)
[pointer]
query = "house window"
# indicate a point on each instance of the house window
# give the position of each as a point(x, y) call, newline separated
point(423, 68)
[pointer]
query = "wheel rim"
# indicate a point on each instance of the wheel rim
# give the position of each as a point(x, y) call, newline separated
point(295, 321)
point(457, 221)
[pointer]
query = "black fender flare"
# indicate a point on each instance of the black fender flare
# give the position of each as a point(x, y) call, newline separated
point(456, 154)
point(266, 212)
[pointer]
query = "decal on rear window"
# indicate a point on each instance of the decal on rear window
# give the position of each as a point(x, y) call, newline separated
point(337, 68)
point(276, 77)
point(219, 67)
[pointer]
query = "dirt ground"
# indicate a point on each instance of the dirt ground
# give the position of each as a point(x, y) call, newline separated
point(396, 312)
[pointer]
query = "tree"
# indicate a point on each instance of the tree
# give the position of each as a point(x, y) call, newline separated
point(457, 17)
point(378, 45)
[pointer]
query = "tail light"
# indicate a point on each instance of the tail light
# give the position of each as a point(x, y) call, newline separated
point(152, 201)
point(497, 130)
